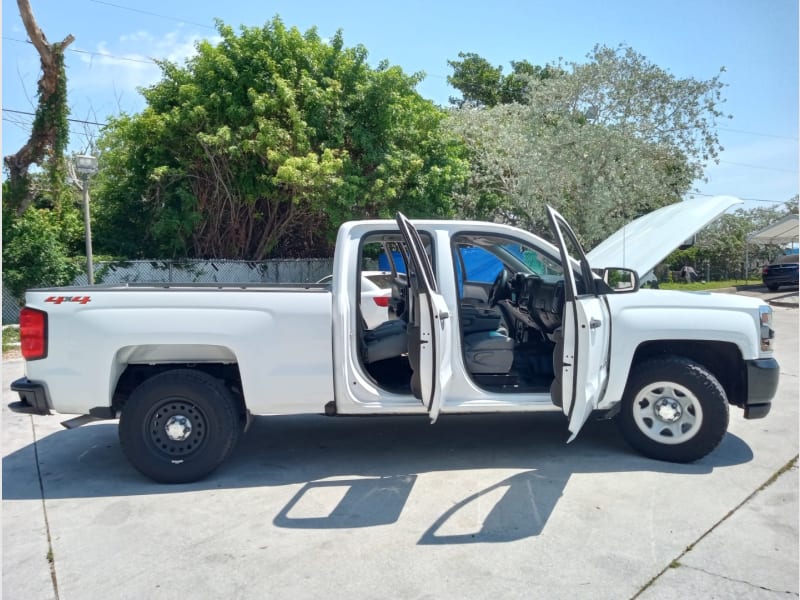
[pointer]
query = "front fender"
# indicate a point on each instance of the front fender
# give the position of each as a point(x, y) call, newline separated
point(634, 326)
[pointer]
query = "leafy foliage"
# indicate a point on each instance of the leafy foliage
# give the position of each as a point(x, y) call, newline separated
point(602, 142)
point(39, 246)
point(48, 141)
point(49, 133)
point(263, 144)
point(484, 85)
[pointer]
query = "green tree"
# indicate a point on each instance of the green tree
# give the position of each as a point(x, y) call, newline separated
point(264, 143)
point(603, 142)
point(40, 246)
point(484, 85)
point(40, 222)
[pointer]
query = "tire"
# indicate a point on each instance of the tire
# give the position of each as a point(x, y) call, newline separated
point(673, 410)
point(178, 426)
point(773, 287)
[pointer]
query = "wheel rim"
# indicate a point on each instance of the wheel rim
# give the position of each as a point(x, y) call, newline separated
point(667, 412)
point(176, 428)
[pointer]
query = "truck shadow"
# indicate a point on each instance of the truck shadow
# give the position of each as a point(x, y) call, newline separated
point(360, 471)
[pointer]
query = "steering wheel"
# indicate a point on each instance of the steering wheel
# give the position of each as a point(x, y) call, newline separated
point(499, 289)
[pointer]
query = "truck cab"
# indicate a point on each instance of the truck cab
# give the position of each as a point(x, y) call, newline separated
point(488, 321)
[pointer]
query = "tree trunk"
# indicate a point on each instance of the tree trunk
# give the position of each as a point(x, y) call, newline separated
point(42, 139)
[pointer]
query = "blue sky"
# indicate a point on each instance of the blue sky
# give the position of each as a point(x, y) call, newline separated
point(755, 40)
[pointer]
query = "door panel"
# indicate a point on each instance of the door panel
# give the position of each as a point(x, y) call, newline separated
point(586, 348)
point(586, 329)
point(431, 357)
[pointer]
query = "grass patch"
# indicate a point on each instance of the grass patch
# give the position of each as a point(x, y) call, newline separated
point(788, 466)
point(706, 285)
point(10, 338)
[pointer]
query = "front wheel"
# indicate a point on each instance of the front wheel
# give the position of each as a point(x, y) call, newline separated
point(178, 426)
point(674, 410)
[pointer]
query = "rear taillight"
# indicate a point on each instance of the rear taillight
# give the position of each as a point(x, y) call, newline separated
point(33, 333)
point(382, 301)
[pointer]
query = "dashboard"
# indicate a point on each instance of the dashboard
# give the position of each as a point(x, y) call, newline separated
point(537, 301)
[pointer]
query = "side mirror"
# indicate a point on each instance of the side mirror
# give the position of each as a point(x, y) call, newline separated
point(620, 280)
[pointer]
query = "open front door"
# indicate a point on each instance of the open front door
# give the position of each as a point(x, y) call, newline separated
point(429, 325)
point(586, 328)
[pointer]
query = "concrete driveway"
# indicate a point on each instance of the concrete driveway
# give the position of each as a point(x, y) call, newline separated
point(472, 507)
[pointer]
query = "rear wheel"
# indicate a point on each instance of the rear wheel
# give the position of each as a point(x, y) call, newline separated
point(674, 410)
point(178, 426)
point(773, 287)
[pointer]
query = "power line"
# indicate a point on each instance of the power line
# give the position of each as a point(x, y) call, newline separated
point(27, 126)
point(152, 14)
point(772, 135)
point(727, 162)
point(746, 199)
point(148, 61)
point(83, 122)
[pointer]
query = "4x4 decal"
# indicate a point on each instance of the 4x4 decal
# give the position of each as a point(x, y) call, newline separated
point(60, 299)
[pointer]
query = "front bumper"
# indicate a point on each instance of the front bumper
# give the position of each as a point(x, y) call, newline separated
point(32, 398)
point(762, 383)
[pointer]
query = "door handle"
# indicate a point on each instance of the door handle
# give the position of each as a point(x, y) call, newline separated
point(594, 323)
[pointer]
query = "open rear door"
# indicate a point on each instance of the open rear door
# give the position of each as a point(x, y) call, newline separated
point(586, 329)
point(429, 325)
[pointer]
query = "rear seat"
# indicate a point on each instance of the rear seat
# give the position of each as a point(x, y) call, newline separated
point(387, 340)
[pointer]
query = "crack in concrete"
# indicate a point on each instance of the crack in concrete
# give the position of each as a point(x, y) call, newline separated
point(754, 585)
point(676, 561)
point(50, 557)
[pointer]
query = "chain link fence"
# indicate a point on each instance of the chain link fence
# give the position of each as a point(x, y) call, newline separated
point(193, 271)
point(10, 308)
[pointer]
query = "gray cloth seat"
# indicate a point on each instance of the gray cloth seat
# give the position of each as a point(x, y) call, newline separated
point(488, 353)
point(387, 340)
point(478, 316)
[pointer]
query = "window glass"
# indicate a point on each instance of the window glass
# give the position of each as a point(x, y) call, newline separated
point(483, 257)
point(379, 251)
point(382, 280)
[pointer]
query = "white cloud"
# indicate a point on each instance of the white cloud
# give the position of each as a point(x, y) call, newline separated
point(110, 73)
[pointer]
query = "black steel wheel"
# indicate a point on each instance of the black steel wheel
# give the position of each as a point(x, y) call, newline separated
point(178, 426)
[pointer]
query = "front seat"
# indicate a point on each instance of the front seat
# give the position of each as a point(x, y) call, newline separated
point(488, 353)
point(487, 349)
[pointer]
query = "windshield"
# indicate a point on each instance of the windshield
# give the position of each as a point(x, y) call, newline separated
point(482, 257)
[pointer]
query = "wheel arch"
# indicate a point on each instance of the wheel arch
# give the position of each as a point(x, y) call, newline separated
point(133, 365)
point(722, 359)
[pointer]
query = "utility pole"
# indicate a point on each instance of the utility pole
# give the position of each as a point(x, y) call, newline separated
point(86, 166)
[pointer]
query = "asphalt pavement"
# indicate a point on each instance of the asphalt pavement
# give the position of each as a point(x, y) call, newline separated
point(494, 506)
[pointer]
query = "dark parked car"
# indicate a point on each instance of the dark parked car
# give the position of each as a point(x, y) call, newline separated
point(781, 271)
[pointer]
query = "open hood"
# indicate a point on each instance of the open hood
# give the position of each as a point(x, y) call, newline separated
point(644, 243)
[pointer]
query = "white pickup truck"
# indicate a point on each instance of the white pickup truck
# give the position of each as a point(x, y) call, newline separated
point(184, 367)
